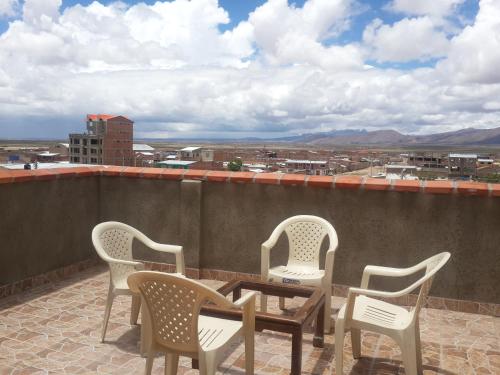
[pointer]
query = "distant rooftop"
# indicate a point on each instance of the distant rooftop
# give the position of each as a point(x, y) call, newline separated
point(190, 149)
point(464, 156)
point(63, 164)
point(142, 147)
point(305, 161)
point(176, 162)
point(95, 117)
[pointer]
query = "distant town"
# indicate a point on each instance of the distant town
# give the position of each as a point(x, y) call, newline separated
point(108, 140)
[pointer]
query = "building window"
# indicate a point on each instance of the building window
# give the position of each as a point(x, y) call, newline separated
point(93, 141)
point(76, 159)
point(93, 151)
point(76, 141)
point(93, 160)
point(85, 142)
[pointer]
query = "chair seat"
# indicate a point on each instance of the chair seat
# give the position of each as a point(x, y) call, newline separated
point(214, 333)
point(376, 313)
point(303, 275)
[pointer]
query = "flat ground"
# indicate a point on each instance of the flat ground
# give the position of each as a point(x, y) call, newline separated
point(54, 329)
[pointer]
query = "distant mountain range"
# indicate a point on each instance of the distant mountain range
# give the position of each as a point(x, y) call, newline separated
point(464, 137)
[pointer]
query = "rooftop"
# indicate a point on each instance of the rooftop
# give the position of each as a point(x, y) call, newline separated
point(52, 299)
point(55, 329)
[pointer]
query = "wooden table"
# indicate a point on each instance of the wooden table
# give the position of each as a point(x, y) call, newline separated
point(295, 324)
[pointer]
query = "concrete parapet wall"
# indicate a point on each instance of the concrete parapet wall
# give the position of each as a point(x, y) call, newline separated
point(221, 219)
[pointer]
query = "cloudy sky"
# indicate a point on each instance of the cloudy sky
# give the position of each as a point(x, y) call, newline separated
point(238, 68)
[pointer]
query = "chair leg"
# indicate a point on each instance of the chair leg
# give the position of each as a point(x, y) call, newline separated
point(282, 303)
point(263, 302)
point(171, 363)
point(107, 311)
point(418, 347)
point(339, 347)
point(149, 360)
point(409, 354)
point(208, 366)
point(249, 352)
point(134, 309)
point(356, 343)
point(328, 309)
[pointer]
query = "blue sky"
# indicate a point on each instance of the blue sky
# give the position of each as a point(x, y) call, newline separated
point(178, 69)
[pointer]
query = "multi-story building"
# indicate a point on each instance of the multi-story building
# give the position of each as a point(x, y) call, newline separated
point(311, 167)
point(462, 165)
point(428, 159)
point(108, 140)
point(196, 154)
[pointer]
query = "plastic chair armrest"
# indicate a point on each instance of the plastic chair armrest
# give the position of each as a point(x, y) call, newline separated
point(387, 272)
point(171, 249)
point(330, 256)
point(244, 300)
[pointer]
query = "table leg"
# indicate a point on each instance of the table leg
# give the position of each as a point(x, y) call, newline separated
point(296, 352)
point(236, 294)
point(195, 364)
point(319, 334)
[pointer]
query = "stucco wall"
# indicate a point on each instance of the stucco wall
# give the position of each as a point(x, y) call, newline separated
point(47, 224)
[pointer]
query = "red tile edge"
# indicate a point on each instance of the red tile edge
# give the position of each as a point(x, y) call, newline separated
point(268, 178)
point(472, 188)
point(342, 181)
point(218, 176)
point(376, 184)
point(293, 179)
point(321, 181)
point(439, 187)
point(195, 174)
point(348, 182)
point(242, 177)
point(406, 185)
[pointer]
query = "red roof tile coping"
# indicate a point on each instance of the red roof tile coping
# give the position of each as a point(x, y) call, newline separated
point(218, 176)
point(100, 116)
point(377, 184)
point(406, 185)
point(472, 188)
point(293, 179)
point(495, 190)
point(348, 182)
point(195, 174)
point(112, 170)
point(320, 181)
point(153, 173)
point(244, 177)
point(439, 187)
point(132, 172)
point(268, 178)
point(5, 177)
point(173, 174)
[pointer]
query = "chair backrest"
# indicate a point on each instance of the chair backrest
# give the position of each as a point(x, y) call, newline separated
point(305, 235)
point(114, 240)
point(432, 265)
point(173, 304)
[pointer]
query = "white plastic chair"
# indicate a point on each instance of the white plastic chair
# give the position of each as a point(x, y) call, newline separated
point(362, 312)
point(113, 243)
point(172, 305)
point(305, 235)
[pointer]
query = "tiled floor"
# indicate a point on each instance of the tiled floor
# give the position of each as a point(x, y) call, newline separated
point(54, 329)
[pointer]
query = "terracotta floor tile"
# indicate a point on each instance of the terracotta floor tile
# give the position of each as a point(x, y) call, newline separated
point(55, 329)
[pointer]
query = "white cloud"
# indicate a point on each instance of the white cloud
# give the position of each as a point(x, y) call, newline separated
point(406, 40)
point(170, 68)
point(474, 55)
point(8, 8)
point(437, 8)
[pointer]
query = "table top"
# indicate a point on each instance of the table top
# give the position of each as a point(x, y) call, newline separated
point(315, 297)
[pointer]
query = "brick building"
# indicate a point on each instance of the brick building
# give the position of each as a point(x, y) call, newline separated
point(108, 141)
